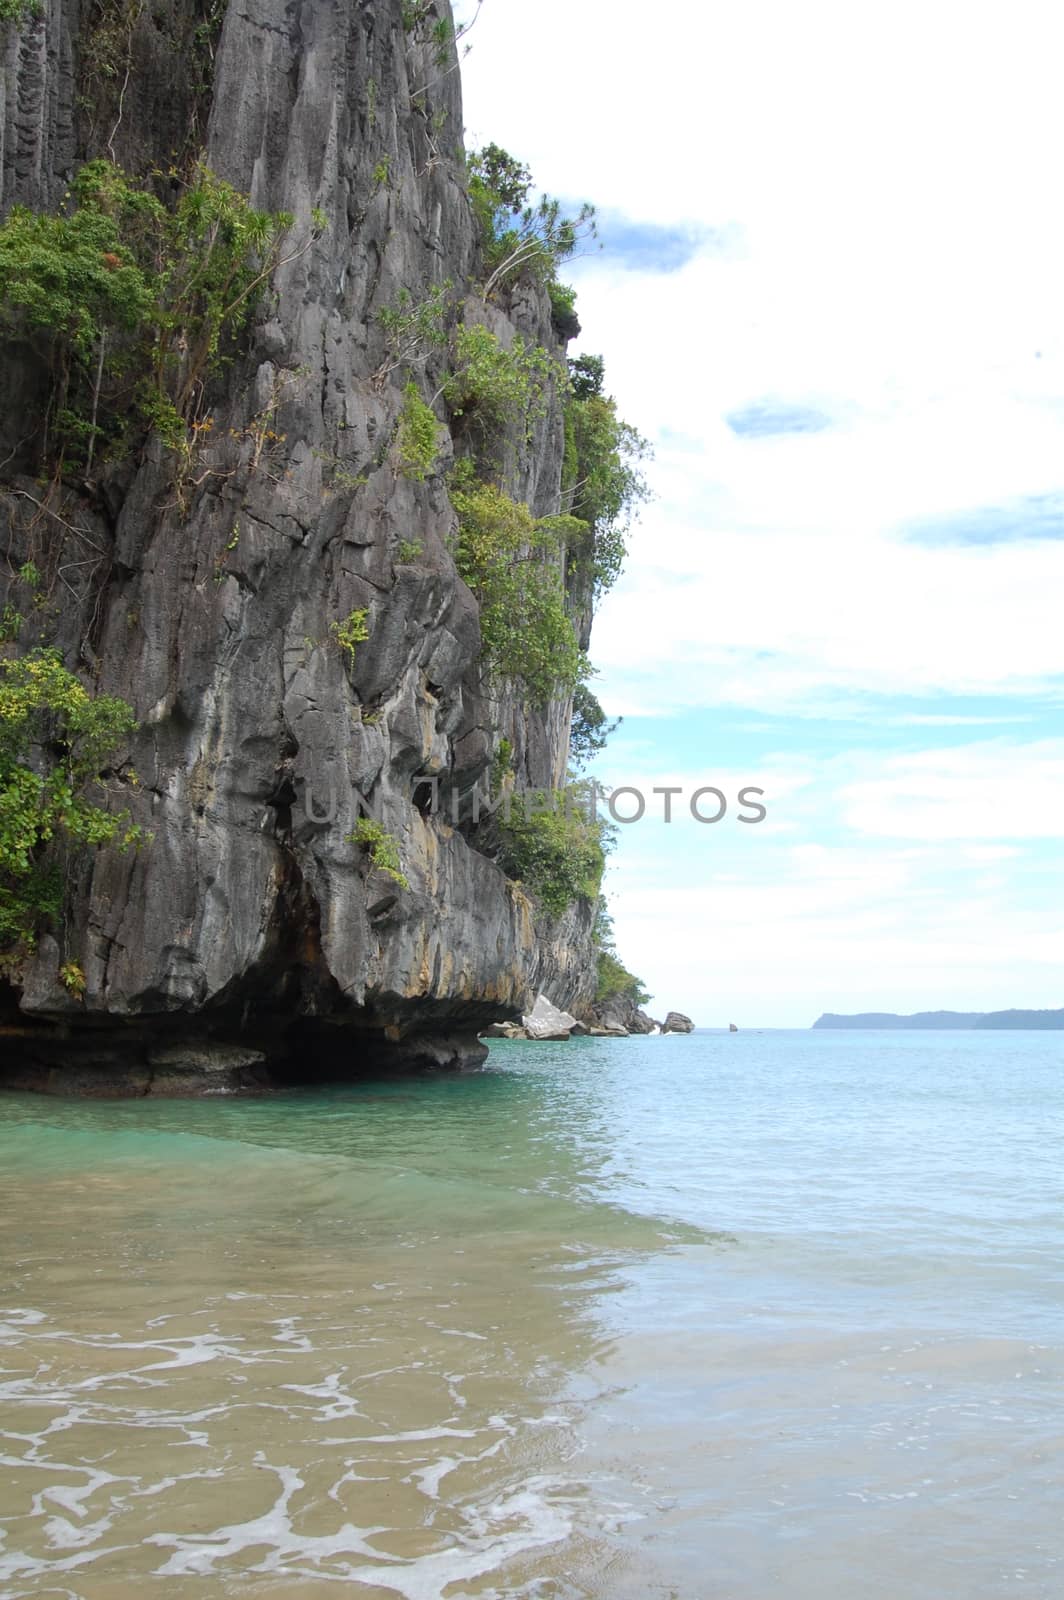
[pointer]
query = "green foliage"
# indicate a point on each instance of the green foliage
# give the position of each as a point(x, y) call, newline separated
point(558, 854)
point(221, 251)
point(413, 329)
point(587, 374)
point(518, 235)
point(131, 304)
point(74, 277)
point(590, 728)
point(496, 387)
point(511, 563)
point(601, 475)
point(204, 43)
point(408, 551)
point(382, 847)
point(19, 10)
point(381, 173)
point(415, 13)
point(502, 766)
point(10, 623)
point(55, 740)
point(499, 186)
point(30, 575)
point(420, 21)
point(72, 977)
point(351, 632)
point(106, 48)
point(563, 309)
point(418, 436)
point(614, 979)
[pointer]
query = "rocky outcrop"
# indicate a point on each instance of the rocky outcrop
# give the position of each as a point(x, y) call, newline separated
point(546, 1021)
point(618, 1015)
point(251, 922)
point(676, 1022)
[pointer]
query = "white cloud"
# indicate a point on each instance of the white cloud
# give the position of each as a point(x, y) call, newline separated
point(774, 620)
point(984, 792)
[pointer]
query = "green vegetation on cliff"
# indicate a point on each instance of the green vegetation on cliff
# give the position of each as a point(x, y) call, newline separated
point(590, 727)
point(602, 482)
point(615, 982)
point(418, 436)
point(56, 741)
point(555, 849)
point(381, 847)
point(19, 10)
point(518, 235)
point(131, 306)
point(512, 563)
point(498, 388)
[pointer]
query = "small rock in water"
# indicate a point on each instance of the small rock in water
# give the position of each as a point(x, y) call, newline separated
point(546, 1022)
point(676, 1022)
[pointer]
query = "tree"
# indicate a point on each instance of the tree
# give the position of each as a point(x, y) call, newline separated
point(55, 743)
point(602, 477)
point(516, 233)
point(590, 728)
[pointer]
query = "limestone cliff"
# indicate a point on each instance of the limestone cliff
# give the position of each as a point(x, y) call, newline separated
point(249, 929)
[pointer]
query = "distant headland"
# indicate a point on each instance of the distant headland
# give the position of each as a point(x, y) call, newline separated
point(945, 1019)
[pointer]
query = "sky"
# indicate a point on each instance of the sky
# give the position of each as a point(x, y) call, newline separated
point(831, 294)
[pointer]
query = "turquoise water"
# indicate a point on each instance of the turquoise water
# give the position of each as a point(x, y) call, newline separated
point(750, 1316)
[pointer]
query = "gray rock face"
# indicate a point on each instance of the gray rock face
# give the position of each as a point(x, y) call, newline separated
point(618, 1015)
point(546, 1021)
point(250, 920)
point(676, 1022)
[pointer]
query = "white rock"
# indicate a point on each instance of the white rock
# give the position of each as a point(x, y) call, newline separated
point(545, 1021)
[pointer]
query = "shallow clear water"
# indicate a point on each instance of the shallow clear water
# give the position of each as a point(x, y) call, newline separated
point(760, 1316)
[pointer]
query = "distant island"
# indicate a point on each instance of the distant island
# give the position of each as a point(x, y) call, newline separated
point(945, 1019)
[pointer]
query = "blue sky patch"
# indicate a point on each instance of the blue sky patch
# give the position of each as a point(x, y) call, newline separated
point(1035, 516)
point(653, 247)
point(766, 419)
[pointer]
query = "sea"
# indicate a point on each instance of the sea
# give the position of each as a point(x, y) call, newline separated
point(754, 1316)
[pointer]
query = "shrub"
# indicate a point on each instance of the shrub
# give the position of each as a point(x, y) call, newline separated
point(601, 476)
point(502, 766)
point(563, 309)
point(496, 386)
point(71, 278)
point(590, 727)
point(72, 977)
point(221, 252)
point(558, 854)
point(516, 235)
point(412, 330)
point(614, 978)
point(382, 848)
point(19, 10)
point(586, 376)
point(55, 741)
point(511, 563)
point(132, 303)
point(417, 436)
point(351, 632)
